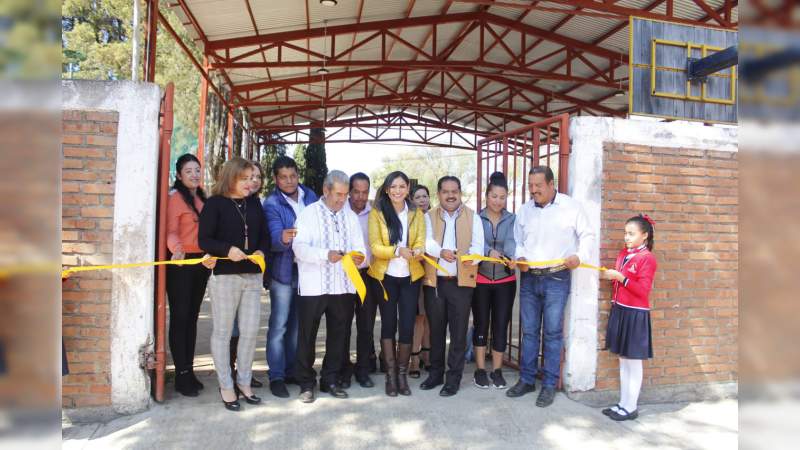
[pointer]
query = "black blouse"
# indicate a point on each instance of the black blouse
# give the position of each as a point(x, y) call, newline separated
point(221, 227)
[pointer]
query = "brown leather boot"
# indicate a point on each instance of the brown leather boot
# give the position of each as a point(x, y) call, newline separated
point(387, 347)
point(403, 356)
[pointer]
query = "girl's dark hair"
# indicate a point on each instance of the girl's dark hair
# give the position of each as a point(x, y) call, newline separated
point(497, 179)
point(645, 225)
point(181, 188)
point(418, 187)
point(385, 206)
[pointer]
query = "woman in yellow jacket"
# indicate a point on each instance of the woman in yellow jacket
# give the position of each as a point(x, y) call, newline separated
point(397, 241)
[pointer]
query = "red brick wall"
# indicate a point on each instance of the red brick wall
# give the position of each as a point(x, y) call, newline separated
point(89, 151)
point(693, 197)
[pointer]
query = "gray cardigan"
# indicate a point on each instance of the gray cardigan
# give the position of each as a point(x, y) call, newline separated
point(500, 239)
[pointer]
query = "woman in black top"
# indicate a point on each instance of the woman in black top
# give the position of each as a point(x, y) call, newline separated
point(232, 225)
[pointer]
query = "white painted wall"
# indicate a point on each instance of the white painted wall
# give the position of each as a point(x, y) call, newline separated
point(587, 135)
point(134, 226)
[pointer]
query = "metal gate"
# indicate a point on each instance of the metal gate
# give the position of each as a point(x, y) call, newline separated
point(545, 142)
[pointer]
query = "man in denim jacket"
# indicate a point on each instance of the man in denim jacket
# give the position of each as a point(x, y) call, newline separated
point(281, 209)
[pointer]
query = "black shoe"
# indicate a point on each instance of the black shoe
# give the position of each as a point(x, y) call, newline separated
point(448, 390)
point(185, 385)
point(334, 390)
point(609, 410)
point(520, 389)
point(231, 406)
point(307, 395)
point(627, 416)
point(480, 379)
point(344, 384)
point(253, 400)
point(197, 384)
point(365, 382)
point(278, 389)
point(431, 383)
point(546, 397)
point(497, 379)
point(255, 383)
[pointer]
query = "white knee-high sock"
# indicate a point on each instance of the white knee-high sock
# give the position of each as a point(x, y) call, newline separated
point(623, 380)
point(633, 385)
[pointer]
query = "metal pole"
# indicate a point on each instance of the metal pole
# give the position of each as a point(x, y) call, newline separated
point(135, 43)
point(161, 271)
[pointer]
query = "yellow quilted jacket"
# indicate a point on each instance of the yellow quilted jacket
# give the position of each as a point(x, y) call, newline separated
point(382, 251)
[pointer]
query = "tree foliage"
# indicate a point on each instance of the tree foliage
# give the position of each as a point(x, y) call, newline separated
point(316, 167)
point(96, 45)
point(269, 154)
point(426, 165)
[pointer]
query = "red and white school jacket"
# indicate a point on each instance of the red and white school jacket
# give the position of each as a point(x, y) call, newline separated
point(639, 271)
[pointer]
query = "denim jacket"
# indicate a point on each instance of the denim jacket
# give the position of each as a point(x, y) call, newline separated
point(280, 216)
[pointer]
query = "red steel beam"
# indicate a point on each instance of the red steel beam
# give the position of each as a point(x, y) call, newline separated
point(384, 25)
point(611, 10)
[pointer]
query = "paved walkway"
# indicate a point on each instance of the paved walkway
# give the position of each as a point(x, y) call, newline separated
point(475, 418)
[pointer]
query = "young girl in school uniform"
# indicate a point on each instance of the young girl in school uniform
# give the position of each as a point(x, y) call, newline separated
point(628, 333)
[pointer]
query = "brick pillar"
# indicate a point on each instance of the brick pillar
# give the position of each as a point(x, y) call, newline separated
point(89, 164)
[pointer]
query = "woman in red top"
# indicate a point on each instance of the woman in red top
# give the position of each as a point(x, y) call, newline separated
point(186, 285)
point(628, 333)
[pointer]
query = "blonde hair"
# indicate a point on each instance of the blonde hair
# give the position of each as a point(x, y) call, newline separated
point(229, 174)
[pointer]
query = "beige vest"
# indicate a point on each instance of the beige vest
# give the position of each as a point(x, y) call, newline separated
point(466, 272)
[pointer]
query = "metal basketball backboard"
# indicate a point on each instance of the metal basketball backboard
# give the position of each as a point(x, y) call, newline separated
point(659, 82)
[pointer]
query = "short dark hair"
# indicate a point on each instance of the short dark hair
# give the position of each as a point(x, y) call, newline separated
point(445, 179)
point(547, 171)
point(358, 176)
point(283, 162)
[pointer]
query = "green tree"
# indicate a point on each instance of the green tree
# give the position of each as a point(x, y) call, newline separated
point(316, 167)
point(96, 45)
point(270, 153)
point(427, 165)
point(299, 157)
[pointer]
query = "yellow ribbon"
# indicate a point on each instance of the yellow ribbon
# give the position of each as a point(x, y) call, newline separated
point(432, 262)
point(28, 268)
point(351, 269)
point(257, 259)
point(546, 263)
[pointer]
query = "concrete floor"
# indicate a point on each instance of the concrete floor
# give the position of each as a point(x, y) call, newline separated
point(474, 418)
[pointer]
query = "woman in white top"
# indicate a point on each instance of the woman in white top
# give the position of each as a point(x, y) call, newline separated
point(397, 240)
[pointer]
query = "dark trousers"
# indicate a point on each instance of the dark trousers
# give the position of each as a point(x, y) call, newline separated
point(365, 324)
point(186, 286)
point(448, 306)
point(492, 303)
point(400, 311)
point(338, 311)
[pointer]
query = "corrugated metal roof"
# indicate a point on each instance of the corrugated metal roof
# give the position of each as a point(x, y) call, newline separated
point(225, 19)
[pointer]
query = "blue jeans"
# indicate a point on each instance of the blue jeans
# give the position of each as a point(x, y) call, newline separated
point(542, 299)
point(282, 331)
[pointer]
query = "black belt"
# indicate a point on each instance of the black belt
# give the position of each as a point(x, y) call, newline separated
point(444, 278)
point(547, 270)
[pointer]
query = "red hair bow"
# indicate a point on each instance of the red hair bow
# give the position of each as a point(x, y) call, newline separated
point(648, 219)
